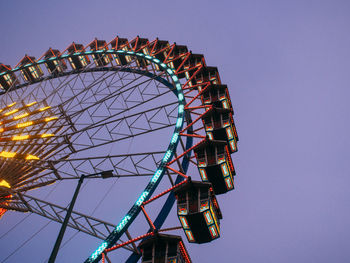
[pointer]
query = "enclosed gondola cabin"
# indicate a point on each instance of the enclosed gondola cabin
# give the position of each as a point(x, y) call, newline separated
point(54, 66)
point(198, 211)
point(218, 96)
point(140, 45)
point(31, 72)
point(77, 61)
point(208, 74)
point(159, 49)
point(8, 79)
point(219, 125)
point(162, 248)
point(121, 44)
point(100, 59)
point(215, 165)
point(175, 57)
point(192, 64)
point(205, 75)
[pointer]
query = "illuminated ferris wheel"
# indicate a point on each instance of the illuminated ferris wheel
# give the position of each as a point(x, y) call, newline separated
point(141, 112)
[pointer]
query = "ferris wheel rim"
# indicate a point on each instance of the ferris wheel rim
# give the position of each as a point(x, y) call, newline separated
point(135, 209)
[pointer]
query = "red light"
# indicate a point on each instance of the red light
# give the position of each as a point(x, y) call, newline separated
point(184, 253)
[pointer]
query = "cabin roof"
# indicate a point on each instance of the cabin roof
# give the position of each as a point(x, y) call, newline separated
point(159, 237)
point(191, 185)
point(117, 42)
point(4, 67)
point(215, 110)
point(213, 87)
point(27, 60)
point(52, 53)
point(74, 47)
point(208, 143)
point(97, 44)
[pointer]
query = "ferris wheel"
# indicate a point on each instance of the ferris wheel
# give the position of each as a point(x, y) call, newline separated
point(140, 113)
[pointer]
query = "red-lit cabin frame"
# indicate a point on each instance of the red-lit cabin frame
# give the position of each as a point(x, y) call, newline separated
point(218, 96)
point(198, 211)
point(206, 74)
point(215, 165)
point(175, 57)
point(158, 49)
point(8, 79)
point(141, 45)
point(100, 60)
point(219, 125)
point(191, 66)
point(77, 61)
point(31, 73)
point(161, 248)
point(121, 44)
point(55, 66)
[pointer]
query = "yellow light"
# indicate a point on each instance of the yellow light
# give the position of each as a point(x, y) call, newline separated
point(8, 106)
point(7, 154)
point(47, 135)
point(11, 112)
point(30, 104)
point(5, 184)
point(1, 129)
point(24, 124)
point(50, 118)
point(31, 157)
point(20, 137)
point(45, 108)
point(21, 116)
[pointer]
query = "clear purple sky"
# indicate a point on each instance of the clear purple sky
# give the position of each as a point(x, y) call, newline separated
point(287, 64)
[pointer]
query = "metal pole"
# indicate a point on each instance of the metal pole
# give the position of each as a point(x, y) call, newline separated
point(65, 222)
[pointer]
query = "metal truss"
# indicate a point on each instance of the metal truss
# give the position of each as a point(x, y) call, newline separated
point(78, 221)
point(94, 108)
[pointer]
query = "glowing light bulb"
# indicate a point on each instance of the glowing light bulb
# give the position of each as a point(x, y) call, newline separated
point(21, 116)
point(30, 104)
point(4, 184)
point(11, 112)
point(31, 157)
point(50, 118)
point(11, 104)
point(45, 135)
point(7, 154)
point(20, 137)
point(45, 108)
point(24, 124)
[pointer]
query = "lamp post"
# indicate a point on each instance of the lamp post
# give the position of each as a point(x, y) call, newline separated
point(104, 175)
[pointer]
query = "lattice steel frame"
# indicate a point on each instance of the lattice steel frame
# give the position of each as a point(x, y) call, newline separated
point(190, 132)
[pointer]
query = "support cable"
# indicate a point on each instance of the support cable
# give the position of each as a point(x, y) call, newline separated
point(8, 231)
point(25, 242)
